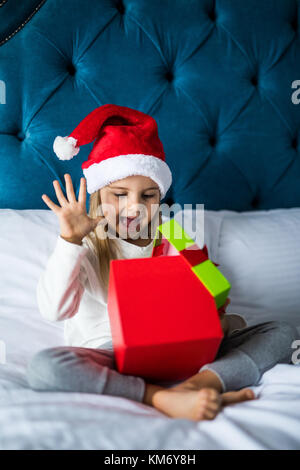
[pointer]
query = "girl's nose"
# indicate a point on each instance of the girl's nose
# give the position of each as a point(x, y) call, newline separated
point(134, 206)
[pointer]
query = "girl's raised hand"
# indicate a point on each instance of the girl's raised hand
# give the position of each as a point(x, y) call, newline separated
point(74, 221)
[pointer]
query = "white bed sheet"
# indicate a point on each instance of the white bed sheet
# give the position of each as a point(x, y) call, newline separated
point(40, 420)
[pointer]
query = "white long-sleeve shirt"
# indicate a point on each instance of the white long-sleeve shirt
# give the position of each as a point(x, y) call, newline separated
point(69, 289)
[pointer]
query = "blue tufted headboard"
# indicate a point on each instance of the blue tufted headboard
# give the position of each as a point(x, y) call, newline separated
point(216, 75)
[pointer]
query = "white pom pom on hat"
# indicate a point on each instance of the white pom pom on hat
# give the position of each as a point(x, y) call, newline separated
point(65, 147)
point(126, 144)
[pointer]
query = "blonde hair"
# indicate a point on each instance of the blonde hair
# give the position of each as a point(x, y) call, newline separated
point(106, 248)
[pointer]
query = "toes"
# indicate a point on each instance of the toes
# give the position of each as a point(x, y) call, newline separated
point(237, 396)
point(210, 415)
point(209, 393)
point(248, 393)
point(214, 407)
point(209, 404)
point(206, 414)
point(212, 396)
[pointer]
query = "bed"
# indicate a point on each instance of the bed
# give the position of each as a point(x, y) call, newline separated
point(219, 80)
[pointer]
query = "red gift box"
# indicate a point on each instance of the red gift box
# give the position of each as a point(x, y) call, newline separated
point(164, 322)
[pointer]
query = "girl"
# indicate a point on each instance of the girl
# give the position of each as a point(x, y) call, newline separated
point(127, 176)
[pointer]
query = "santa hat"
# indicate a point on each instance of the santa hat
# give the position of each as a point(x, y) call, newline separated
point(127, 143)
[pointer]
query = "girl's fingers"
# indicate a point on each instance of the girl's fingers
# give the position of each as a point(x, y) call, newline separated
point(82, 191)
point(59, 194)
point(69, 188)
point(50, 203)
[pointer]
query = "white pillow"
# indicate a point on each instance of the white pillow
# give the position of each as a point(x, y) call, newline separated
point(27, 238)
point(259, 253)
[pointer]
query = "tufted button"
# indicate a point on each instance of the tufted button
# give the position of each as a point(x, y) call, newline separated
point(255, 202)
point(294, 23)
point(254, 81)
point(120, 7)
point(295, 143)
point(169, 75)
point(20, 135)
point(213, 141)
point(212, 15)
point(71, 68)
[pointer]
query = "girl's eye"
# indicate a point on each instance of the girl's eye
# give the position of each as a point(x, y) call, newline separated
point(146, 196)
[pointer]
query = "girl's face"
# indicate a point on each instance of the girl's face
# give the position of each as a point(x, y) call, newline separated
point(130, 204)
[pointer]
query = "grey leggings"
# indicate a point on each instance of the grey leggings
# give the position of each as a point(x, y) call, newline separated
point(241, 360)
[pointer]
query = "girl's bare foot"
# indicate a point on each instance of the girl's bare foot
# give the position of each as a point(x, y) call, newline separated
point(207, 378)
point(186, 402)
point(229, 398)
point(198, 398)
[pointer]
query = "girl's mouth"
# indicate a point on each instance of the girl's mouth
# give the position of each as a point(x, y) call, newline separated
point(128, 220)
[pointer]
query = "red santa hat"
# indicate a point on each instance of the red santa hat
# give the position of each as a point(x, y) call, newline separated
point(127, 143)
